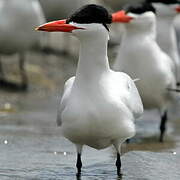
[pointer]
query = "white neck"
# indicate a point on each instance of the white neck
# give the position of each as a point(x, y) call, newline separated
point(138, 33)
point(136, 45)
point(93, 60)
point(166, 36)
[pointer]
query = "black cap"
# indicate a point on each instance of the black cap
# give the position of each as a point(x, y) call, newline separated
point(91, 13)
point(139, 8)
point(164, 1)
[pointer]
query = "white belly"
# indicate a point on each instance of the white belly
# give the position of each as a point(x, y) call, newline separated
point(96, 126)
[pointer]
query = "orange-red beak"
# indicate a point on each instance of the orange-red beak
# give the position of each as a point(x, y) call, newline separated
point(121, 16)
point(57, 26)
point(178, 9)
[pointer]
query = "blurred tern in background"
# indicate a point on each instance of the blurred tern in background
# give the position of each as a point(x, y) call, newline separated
point(117, 30)
point(18, 18)
point(166, 11)
point(141, 57)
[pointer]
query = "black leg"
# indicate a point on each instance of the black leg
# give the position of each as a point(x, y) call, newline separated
point(163, 126)
point(128, 141)
point(78, 165)
point(24, 84)
point(118, 165)
point(1, 70)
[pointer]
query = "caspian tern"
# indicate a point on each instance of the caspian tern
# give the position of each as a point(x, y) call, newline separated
point(166, 11)
point(17, 22)
point(98, 106)
point(140, 56)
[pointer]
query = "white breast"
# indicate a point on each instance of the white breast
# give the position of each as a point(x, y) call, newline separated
point(143, 59)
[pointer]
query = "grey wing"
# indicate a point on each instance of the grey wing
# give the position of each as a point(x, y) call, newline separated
point(67, 89)
point(134, 100)
point(173, 65)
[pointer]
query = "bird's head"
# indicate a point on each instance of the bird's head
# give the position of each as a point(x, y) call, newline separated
point(166, 7)
point(85, 21)
point(143, 15)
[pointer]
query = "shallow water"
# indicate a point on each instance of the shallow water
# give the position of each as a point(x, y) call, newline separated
point(31, 146)
point(32, 153)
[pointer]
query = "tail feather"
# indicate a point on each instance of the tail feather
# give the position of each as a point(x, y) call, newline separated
point(137, 79)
